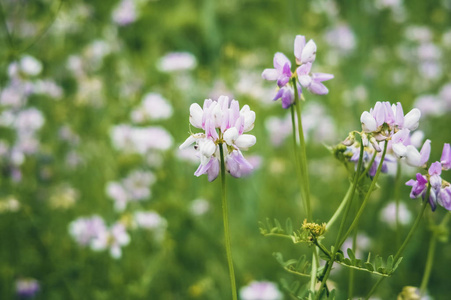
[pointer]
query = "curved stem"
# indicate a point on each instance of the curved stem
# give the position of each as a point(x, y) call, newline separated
point(303, 154)
point(340, 230)
point(367, 196)
point(340, 208)
point(226, 226)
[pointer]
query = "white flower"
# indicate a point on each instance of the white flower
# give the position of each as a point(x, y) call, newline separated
point(368, 122)
point(177, 61)
point(30, 65)
point(153, 107)
point(260, 290)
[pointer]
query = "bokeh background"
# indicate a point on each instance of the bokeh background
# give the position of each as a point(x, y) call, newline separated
point(95, 100)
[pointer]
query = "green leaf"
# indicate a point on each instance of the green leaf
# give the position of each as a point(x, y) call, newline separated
point(351, 254)
point(389, 265)
point(369, 267)
point(397, 264)
point(378, 262)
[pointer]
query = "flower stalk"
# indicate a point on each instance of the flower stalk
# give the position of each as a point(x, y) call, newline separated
point(225, 218)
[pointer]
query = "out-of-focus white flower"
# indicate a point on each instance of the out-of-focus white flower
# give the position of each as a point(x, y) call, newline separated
point(153, 107)
point(341, 38)
point(135, 187)
point(137, 184)
point(29, 121)
point(199, 207)
point(84, 230)
point(260, 290)
point(177, 61)
point(10, 204)
point(149, 220)
point(30, 65)
point(388, 214)
point(117, 192)
point(140, 139)
point(113, 238)
point(363, 244)
point(418, 33)
point(125, 13)
point(430, 105)
point(49, 88)
point(278, 128)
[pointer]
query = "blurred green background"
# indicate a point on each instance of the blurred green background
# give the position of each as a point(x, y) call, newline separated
point(93, 63)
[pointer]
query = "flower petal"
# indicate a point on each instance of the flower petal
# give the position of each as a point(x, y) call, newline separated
point(299, 43)
point(309, 52)
point(270, 74)
point(195, 115)
point(245, 141)
point(411, 120)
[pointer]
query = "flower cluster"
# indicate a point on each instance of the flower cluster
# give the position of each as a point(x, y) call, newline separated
point(440, 189)
point(92, 231)
point(225, 126)
point(305, 54)
point(388, 123)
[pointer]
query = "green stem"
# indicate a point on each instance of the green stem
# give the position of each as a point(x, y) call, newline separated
point(340, 230)
point(430, 257)
point(303, 155)
point(226, 225)
point(396, 195)
point(403, 246)
point(299, 171)
point(429, 263)
point(367, 196)
point(340, 208)
point(351, 271)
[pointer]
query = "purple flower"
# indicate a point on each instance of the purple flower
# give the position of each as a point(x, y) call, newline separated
point(225, 126)
point(285, 93)
point(418, 186)
point(418, 159)
point(392, 116)
point(313, 82)
point(446, 157)
point(281, 71)
point(27, 287)
point(304, 53)
point(444, 197)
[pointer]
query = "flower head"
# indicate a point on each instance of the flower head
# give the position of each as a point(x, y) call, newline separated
point(440, 189)
point(305, 54)
point(224, 125)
